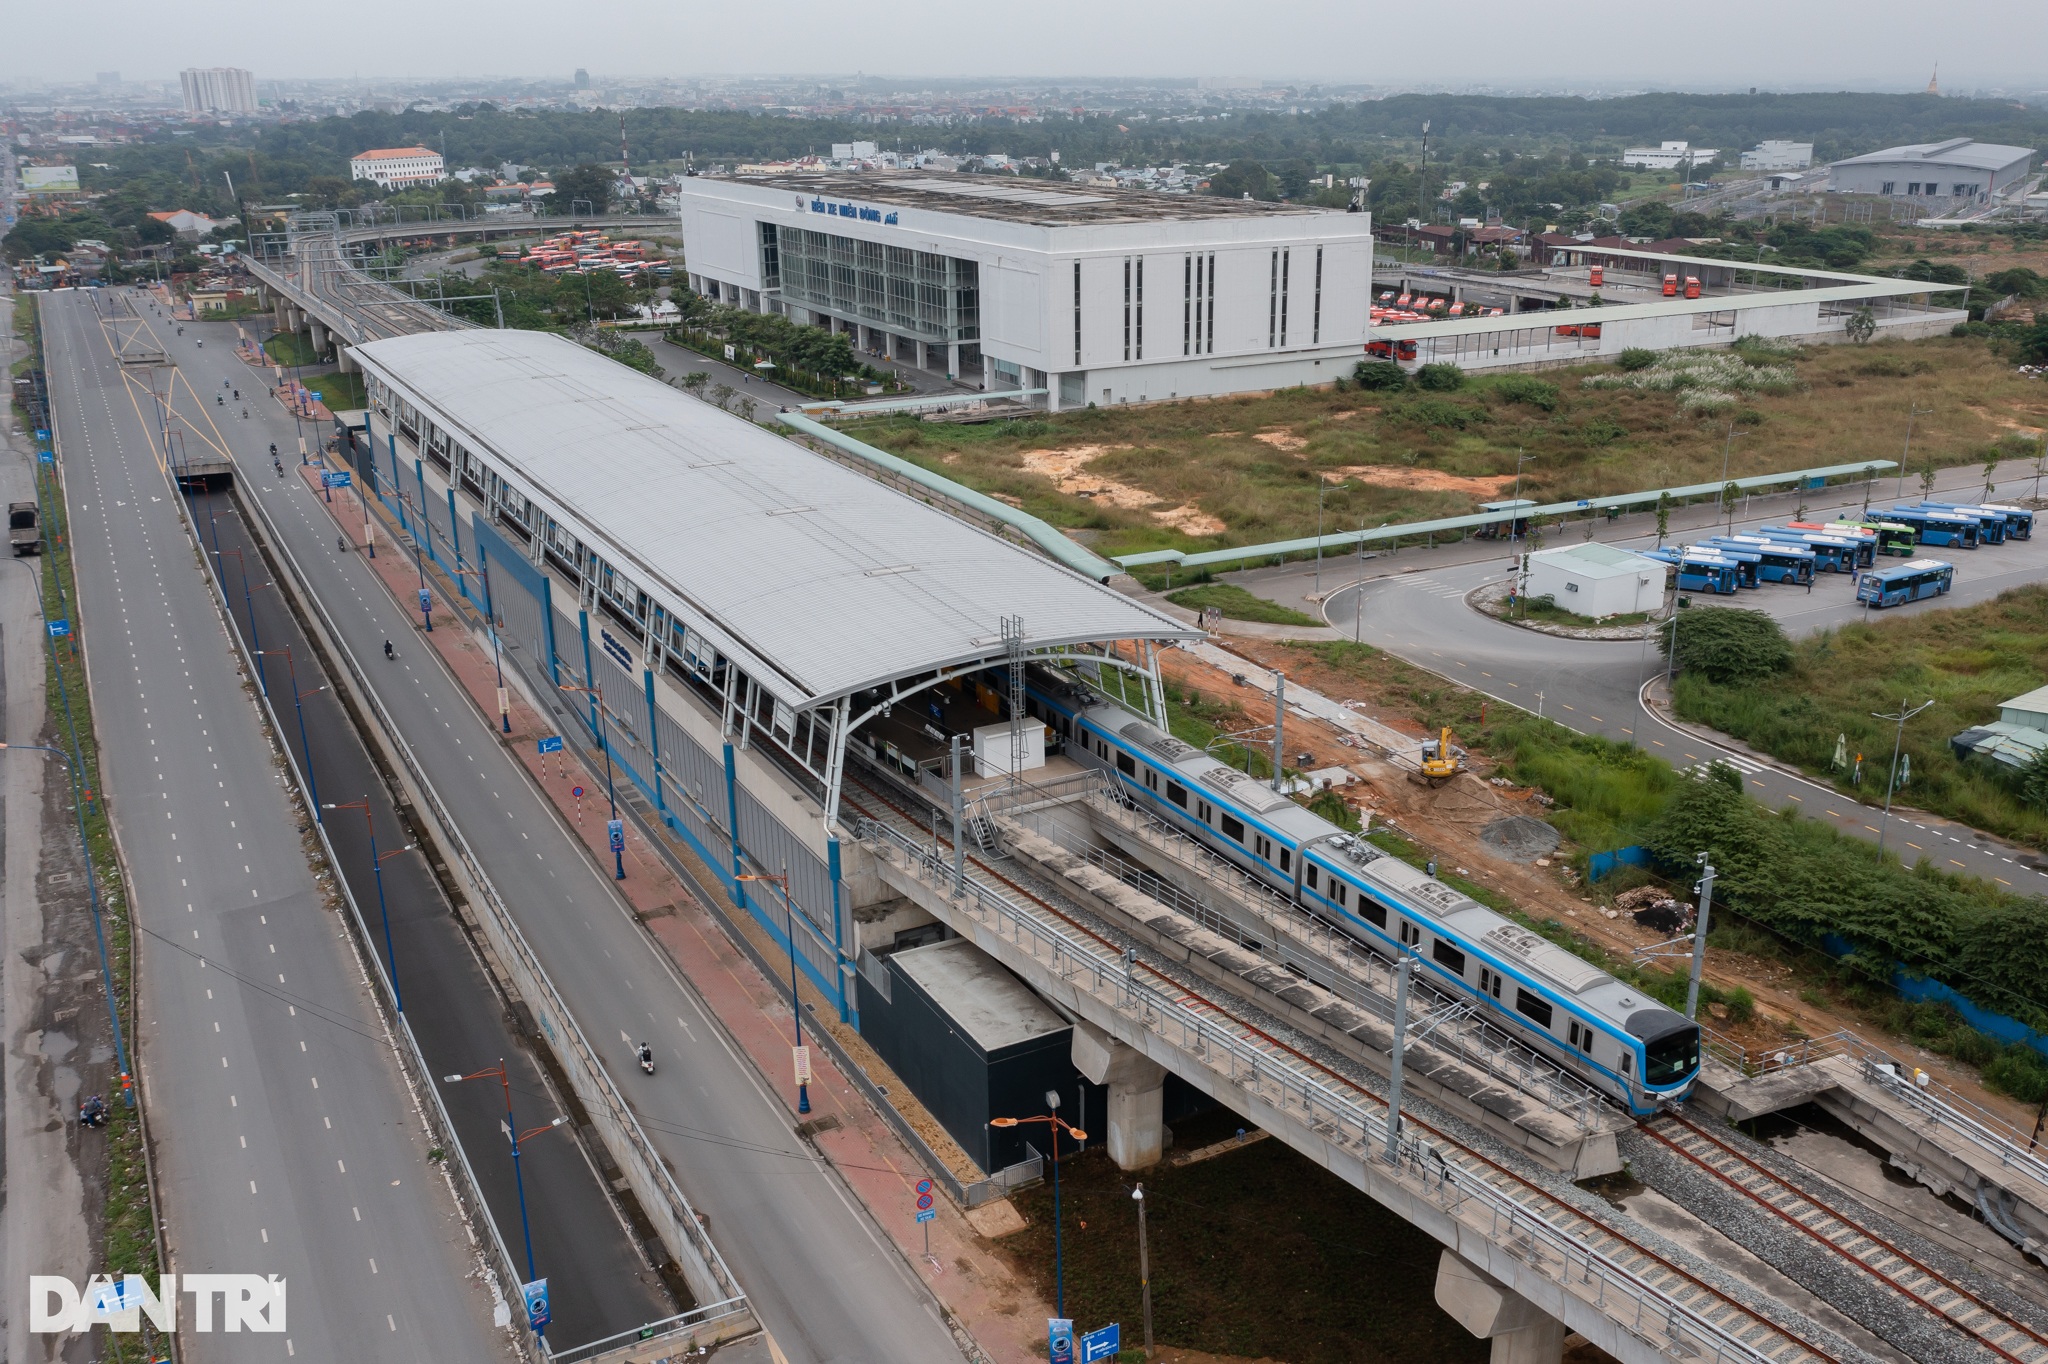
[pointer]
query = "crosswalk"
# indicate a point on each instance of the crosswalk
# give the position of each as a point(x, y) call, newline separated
point(1746, 766)
point(1441, 590)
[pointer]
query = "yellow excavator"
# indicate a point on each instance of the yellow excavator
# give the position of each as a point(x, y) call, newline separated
point(1440, 761)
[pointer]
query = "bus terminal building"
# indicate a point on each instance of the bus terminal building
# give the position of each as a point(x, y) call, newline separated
point(1094, 295)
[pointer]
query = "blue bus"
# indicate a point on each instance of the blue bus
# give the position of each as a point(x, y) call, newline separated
point(1777, 561)
point(1836, 552)
point(1990, 524)
point(1699, 571)
point(1910, 581)
point(2019, 522)
point(1937, 528)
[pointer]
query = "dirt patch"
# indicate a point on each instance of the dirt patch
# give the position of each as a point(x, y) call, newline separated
point(1280, 438)
point(1067, 469)
point(2003, 423)
point(1425, 480)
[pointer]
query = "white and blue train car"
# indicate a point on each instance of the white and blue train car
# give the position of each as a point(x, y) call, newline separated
point(1632, 1048)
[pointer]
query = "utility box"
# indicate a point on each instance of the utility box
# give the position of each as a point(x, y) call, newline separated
point(992, 748)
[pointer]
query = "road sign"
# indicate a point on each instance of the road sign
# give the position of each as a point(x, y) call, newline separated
point(336, 478)
point(313, 394)
point(576, 791)
point(59, 628)
point(45, 457)
point(551, 744)
point(616, 829)
point(924, 1186)
point(802, 1057)
point(536, 1295)
point(924, 1200)
point(42, 435)
point(927, 1215)
point(1059, 1340)
point(1101, 1344)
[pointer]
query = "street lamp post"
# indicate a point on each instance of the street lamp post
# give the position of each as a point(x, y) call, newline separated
point(1727, 451)
point(98, 929)
point(610, 789)
point(1892, 783)
point(419, 562)
point(518, 1176)
point(1322, 485)
point(383, 911)
point(305, 749)
point(1906, 453)
point(249, 605)
point(1058, 1124)
point(796, 1007)
point(491, 627)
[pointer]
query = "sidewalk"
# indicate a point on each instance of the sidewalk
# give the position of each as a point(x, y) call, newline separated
point(972, 1281)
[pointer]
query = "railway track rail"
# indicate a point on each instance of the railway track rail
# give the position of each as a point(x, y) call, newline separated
point(1535, 1210)
point(1854, 1243)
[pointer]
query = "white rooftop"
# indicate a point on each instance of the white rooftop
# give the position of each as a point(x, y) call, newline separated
point(817, 581)
point(1956, 151)
point(1595, 560)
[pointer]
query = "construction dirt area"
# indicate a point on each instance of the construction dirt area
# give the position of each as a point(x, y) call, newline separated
point(1068, 469)
point(1475, 827)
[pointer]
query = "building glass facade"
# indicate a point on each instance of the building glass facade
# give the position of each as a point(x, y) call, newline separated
point(914, 293)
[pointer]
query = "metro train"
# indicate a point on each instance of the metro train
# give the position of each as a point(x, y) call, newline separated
point(1628, 1046)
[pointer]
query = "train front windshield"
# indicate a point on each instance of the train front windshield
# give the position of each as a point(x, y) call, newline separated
point(1671, 1058)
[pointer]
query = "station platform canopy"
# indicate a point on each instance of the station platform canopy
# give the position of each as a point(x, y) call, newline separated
point(818, 581)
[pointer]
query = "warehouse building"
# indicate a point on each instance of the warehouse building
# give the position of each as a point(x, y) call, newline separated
point(1956, 169)
point(1097, 296)
point(1595, 580)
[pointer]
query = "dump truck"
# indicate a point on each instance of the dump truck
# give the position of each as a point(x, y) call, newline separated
point(24, 530)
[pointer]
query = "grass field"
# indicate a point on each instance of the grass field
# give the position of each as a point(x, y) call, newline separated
point(1208, 474)
point(289, 348)
point(1258, 1253)
point(338, 392)
point(1238, 604)
point(1966, 661)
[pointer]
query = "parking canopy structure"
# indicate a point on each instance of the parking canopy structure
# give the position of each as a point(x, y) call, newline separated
point(796, 595)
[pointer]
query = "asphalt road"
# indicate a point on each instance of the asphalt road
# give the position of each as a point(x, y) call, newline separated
point(822, 1277)
point(599, 1283)
point(287, 1141)
point(1595, 687)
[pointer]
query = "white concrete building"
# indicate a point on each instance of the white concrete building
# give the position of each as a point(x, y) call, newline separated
point(218, 90)
point(396, 167)
point(1668, 156)
point(1098, 296)
point(1778, 156)
point(1956, 169)
point(1595, 580)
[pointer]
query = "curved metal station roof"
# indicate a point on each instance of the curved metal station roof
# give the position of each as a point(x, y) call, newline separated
point(815, 579)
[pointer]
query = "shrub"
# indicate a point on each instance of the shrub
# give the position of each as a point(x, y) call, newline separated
point(1600, 432)
point(1432, 412)
point(1440, 378)
point(1635, 358)
point(1379, 376)
point(1740, 1003)
point(1729, 645)
point(1518, 388)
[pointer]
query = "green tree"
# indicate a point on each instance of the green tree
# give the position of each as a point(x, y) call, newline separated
point(1862, 325)
point(1243, 179)
point(1663, 517)
point(1379, 376)
point(2034, 781)
point(585, 189)
point(1727, 645)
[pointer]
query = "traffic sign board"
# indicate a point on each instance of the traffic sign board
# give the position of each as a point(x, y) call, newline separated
point(924, 1186)
point(45, 457)
point(551, 744)
point(1101, 1344)
point(576, 791)
point(59, 628)
point(924, 1200)
point(336, 478)
point(927, 1215)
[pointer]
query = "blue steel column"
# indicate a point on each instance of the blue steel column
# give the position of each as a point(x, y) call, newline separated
point(397, 479)
point(589, 676)
point(847, 1014)
point(732, 823)
point(547, 627)
point(654, 742)
point(455, 542)
point(419, 472)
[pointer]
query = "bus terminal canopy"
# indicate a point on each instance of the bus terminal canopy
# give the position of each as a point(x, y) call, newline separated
point(1500, 513)
point(817, 581)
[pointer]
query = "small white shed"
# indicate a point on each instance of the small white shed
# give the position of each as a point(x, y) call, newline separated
point(1596, 580)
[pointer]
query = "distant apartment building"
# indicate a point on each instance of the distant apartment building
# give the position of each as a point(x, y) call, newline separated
point(397, 167)
point(218, 90)
point(1778, 156)
point(1668, 156)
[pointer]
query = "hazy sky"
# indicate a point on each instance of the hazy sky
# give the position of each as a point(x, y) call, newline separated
point(1834, 44)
